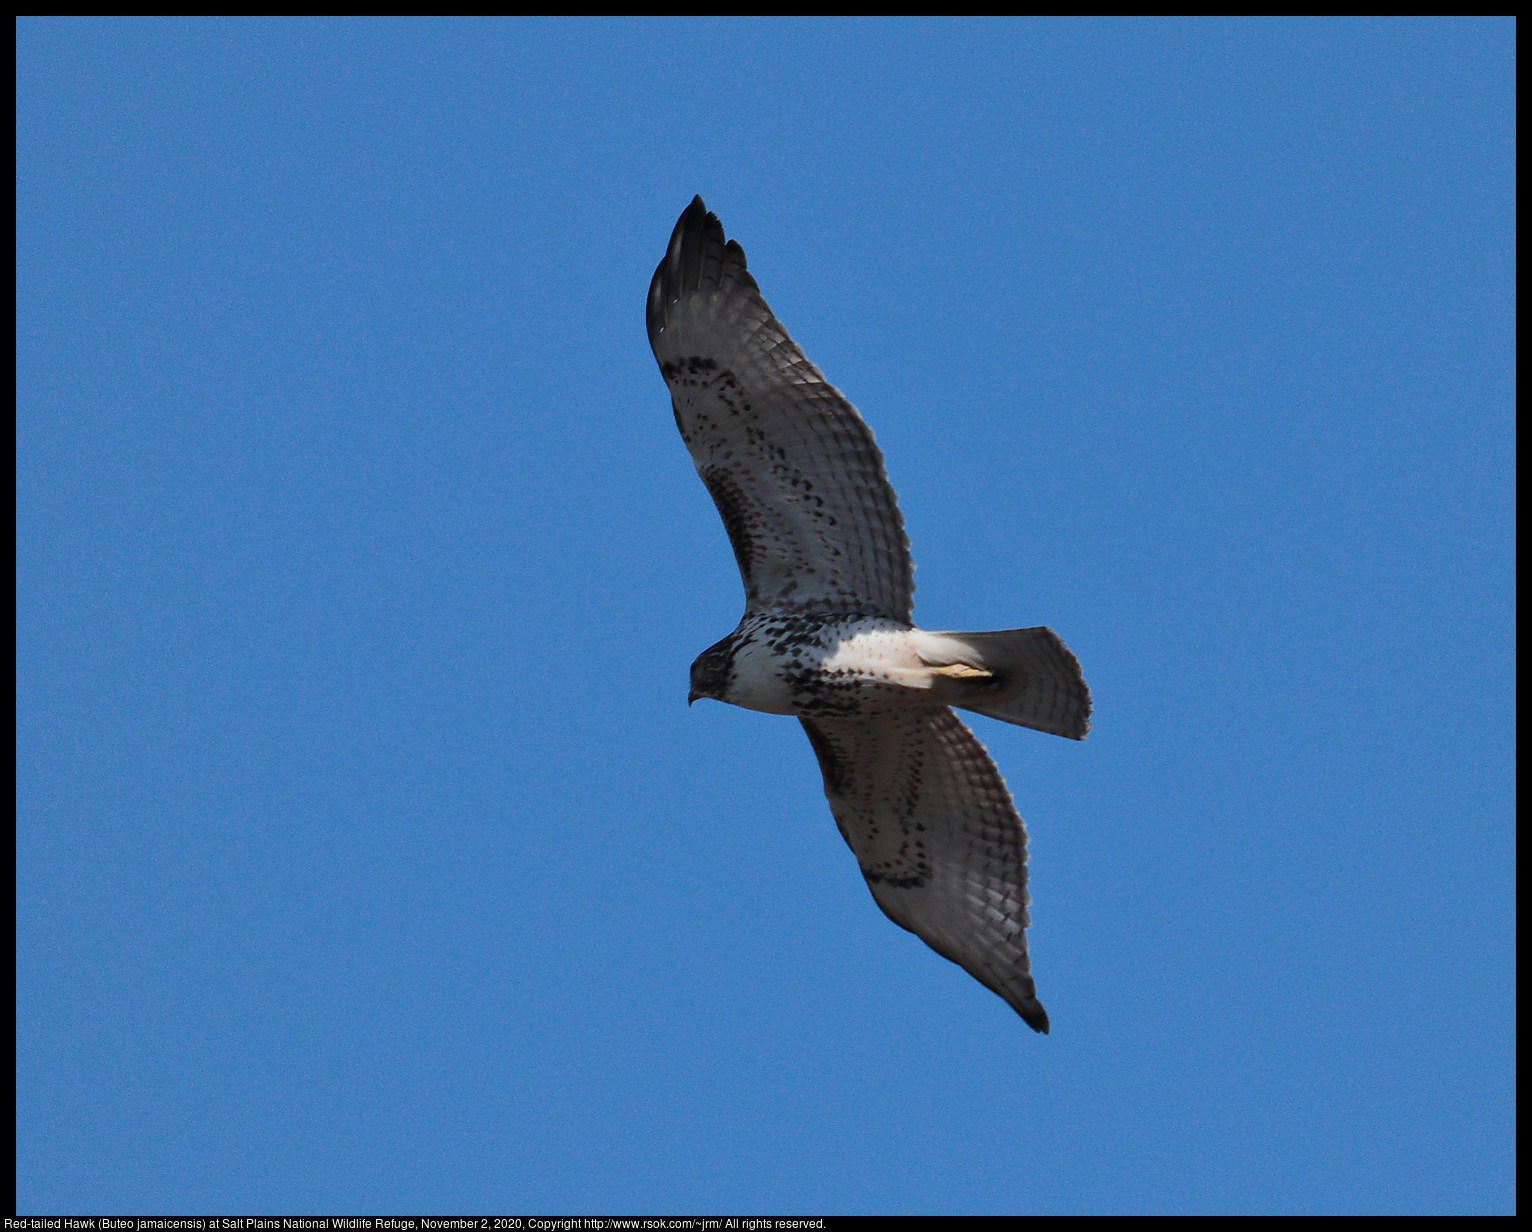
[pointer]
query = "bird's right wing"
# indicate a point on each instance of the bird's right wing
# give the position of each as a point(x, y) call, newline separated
point(931, 823)
point(794, 471)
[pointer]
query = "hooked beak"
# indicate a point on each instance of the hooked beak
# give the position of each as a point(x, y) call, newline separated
point(692, 696)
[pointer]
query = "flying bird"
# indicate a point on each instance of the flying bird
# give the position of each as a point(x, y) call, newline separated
point(827, 634)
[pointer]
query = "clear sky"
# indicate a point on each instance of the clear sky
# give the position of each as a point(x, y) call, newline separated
point(370, 859)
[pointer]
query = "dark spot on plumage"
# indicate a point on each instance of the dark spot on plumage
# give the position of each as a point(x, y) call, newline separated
point(912, 882)
point(680, 365)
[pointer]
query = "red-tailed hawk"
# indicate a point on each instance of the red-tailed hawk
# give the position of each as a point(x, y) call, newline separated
point(826, 635)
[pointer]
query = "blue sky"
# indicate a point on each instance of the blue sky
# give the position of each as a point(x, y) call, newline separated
point(370, 859)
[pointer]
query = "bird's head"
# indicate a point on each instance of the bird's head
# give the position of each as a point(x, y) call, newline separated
point(712, 671)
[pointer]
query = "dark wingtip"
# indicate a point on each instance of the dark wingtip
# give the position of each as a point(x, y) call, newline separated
point(698, 258)
point(1034, 1015)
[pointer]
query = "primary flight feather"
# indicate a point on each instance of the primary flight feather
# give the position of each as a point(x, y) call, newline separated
point(826, 635)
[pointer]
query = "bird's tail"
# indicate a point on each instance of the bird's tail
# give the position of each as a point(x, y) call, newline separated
point(1022, 676)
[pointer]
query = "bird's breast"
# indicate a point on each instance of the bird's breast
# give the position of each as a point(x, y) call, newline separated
point(846, 668)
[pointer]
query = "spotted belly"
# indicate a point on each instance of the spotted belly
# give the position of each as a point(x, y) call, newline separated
point(844, 668)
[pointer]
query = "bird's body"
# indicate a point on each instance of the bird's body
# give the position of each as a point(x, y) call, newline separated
point(837, 666)
point(827, 635)
point(812, 665)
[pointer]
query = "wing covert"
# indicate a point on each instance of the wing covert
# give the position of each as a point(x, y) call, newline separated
point(795, 473)
point(932, 826)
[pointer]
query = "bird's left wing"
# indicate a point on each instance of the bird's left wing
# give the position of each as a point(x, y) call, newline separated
point(793, 470)
point(931, 823)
